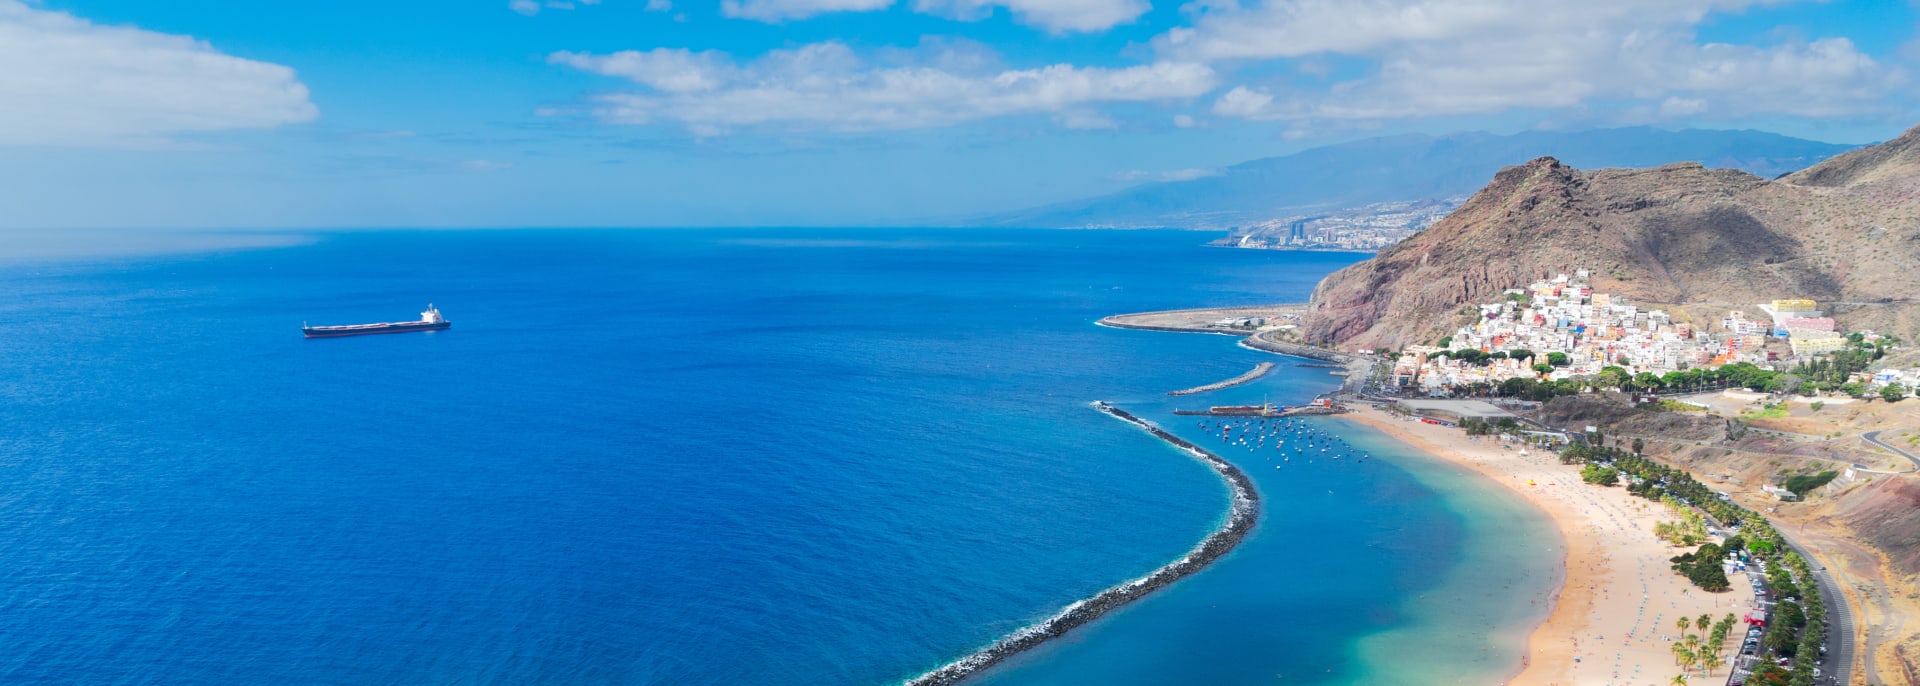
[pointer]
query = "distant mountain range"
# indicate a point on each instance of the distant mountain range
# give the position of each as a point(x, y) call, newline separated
point(1408, 168)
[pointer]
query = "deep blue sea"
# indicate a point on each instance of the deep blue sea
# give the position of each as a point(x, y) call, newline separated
point(696, 457)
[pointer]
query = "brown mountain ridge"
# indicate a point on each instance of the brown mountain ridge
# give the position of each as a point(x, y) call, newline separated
point(1845, 232)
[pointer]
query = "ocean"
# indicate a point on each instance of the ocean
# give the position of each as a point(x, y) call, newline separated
point(698, 457)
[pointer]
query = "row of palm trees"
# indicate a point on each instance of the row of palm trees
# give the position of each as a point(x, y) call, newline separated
point(1702, 650)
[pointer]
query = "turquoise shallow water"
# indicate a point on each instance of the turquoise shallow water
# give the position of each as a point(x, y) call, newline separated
point(1399, 570)
point(680, 457)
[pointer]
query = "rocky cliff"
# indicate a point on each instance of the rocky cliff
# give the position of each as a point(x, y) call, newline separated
point(1846, 231)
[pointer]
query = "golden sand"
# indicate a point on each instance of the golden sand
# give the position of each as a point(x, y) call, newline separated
point(1614, 618)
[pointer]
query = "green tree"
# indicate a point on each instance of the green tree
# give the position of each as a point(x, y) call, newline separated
point(1769, 675)
point(1801, 484)
point(1710, 660)
point(1709, 576)
point(1638, 446)
point(1892, 392)
point(1557, 359)
point(1790, 613)
point(1600, 476)
point(1543, 368)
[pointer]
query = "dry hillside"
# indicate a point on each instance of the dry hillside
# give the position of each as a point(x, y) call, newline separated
point(1845, 232)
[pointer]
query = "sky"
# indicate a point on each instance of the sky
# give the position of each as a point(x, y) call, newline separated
point(587, 113)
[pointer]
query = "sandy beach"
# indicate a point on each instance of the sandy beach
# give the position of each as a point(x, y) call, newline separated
point(1614, 618)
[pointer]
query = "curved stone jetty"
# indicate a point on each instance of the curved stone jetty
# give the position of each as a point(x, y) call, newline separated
point(1240, 519)
point(1259, 370)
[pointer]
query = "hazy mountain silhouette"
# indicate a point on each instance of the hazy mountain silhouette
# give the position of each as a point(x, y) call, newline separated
point(1410, 167)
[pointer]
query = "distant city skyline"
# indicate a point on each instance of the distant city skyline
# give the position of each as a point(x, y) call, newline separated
point(583, 113)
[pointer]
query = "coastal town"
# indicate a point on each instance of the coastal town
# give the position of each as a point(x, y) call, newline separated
point(1561, 330)
point(1361, 229)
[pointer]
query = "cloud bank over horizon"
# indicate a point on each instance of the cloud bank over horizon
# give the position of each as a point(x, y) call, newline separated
point(70, 82)
point(1628, 62)
point(852, 112)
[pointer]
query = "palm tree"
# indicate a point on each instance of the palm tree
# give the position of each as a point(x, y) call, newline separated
point(1702, 622)
point(1683, 623)
point(1711, 661)
point(1679, 680)
point(1679, 651)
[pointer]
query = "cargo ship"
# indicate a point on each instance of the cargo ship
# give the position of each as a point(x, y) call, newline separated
point(430, 320)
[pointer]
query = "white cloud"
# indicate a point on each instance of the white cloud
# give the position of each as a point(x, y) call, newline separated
point(1184, 121)
point(825, 86)
point(1676, 106)
point(1294, 28)
point(775, 11)
point(1169, 175)
point(1056, 16)
point(1437, 57)
point(67, 81)
point(672, 70)
point(659, 5)
point(1085, 120)
point(533, 7)
point(1243, 102)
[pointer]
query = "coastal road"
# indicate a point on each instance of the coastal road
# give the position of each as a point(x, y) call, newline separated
point(1874, 438)
point(1839, 628)
point(1840, 648)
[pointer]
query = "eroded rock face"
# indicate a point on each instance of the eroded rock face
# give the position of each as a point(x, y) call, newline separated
point(1679, 234)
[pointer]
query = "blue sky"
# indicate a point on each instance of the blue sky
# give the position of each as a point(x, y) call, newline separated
point(351, 113)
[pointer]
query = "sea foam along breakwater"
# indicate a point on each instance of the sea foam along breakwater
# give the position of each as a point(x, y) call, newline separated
point(1240, 520)
point(1258, 371)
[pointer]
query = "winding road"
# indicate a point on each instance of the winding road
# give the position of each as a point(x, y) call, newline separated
point(1873, 437)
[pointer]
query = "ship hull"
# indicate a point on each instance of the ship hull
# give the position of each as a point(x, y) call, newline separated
point(372, 329)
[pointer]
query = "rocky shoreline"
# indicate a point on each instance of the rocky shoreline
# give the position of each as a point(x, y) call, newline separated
point(1240, 520)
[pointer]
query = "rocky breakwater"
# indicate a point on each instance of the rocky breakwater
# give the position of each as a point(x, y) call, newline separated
point(1240, 519)
point(1258, 371)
